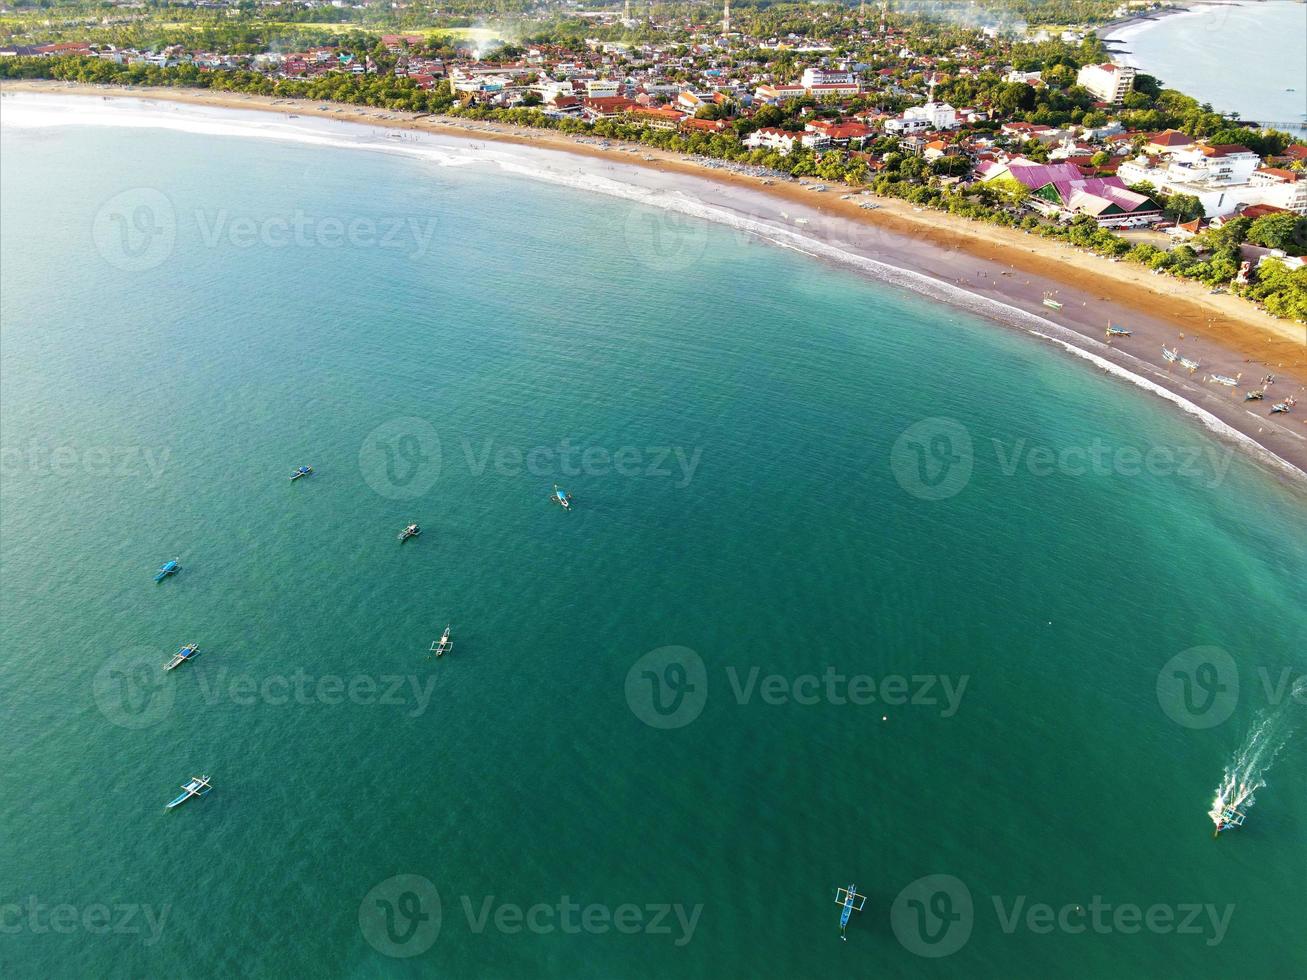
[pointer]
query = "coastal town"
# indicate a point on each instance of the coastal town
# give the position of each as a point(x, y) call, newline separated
point(1040, 130)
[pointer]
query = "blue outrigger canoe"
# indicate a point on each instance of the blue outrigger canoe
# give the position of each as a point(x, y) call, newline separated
point(849, 901)
point(198, 786)
point(186, 653)
point(169, 568)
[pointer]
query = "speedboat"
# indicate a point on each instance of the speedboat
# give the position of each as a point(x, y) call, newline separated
point(1192, 365)
point(168, 568)
point(562, 498)
point(198, 786)
point(1223, 379)
point(443, 645)
point(1254, 396)
point(1117, 331)
point(412, 531)
point(301, 471)
point(1284, 406)
point(182, 655)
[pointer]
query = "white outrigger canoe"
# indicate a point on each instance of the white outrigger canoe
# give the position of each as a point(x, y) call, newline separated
point(198, 786)
point(443, 645)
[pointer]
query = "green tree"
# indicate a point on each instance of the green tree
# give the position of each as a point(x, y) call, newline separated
point(1283, 231)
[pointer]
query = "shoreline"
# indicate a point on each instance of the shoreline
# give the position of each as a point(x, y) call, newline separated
point(1000, 274)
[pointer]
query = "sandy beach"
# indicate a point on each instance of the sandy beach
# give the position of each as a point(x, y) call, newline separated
point(1003, 274)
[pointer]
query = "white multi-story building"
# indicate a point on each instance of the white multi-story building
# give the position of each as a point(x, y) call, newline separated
point(931, 117)
point(602, 88)
point(813, 77)
point(1280, 188)
point(1107, 82)
point(1221, 177)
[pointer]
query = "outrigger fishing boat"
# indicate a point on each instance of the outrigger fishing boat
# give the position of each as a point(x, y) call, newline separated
point(1230, 817)
point(562, 498)
point(1117, 331)
point(1170, 356)
point(1223, 379)
point(443, 645)
point(181, 656)
point(412, 531)
point(301, 471)
point(849, 901)
point(1254, 396)
point(198, 786)
point(168, 568)
point(1051, 303)
point(1190, 364)
point(1284, 406)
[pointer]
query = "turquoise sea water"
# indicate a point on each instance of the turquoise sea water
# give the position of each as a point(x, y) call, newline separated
point(790, 471)
point(1249, 58)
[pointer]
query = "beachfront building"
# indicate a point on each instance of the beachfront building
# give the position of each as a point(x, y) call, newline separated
point(770, 138)
point(1219, 176)
point(1107, 82)
point(1061, 190)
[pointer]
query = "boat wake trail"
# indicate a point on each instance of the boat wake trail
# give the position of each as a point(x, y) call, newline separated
point(1247, 772)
